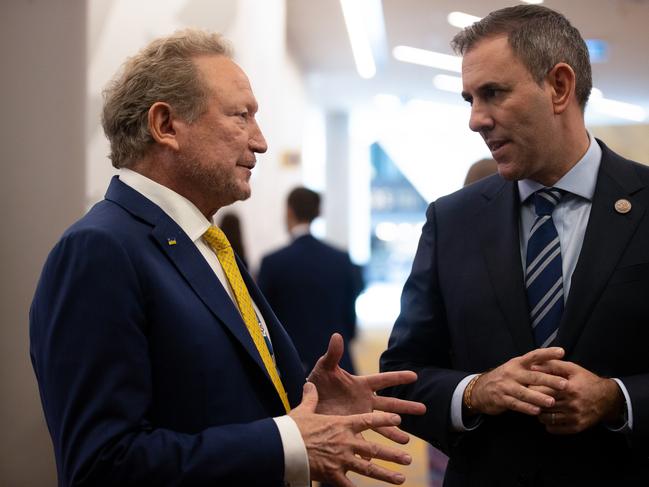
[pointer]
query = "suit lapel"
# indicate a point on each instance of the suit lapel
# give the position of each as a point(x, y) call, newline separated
point(499, 224)
point(189, 262)
point(607, 236)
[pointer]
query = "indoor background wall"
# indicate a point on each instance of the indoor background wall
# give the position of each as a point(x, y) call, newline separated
point(42, 191)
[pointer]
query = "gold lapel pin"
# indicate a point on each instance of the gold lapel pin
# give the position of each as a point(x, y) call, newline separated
point(171, 241)
point(623, 206)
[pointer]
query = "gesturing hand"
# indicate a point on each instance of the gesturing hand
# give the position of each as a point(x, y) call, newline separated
point(334, 444)
point(508, 387)
point(586, 400)
point(342, 393)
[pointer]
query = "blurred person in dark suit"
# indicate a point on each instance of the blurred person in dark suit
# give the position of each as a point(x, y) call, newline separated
point(231, 225)
point(311, 286)
point(525, 314)
point(158, 360)
point(480, 170)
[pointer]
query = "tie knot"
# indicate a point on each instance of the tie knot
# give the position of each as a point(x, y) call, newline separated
point(215, 237)
point(545, 200)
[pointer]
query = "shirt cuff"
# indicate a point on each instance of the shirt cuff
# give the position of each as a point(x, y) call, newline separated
point(457, 421)
point(627, 425)
point(296, 460)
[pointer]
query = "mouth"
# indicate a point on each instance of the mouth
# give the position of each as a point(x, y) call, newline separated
point(248, 165)
point(495, 145)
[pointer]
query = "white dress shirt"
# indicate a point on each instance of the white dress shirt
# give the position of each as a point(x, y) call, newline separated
point(194, 224)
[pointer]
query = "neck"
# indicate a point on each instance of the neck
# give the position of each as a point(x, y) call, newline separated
point(159, 169)
point(571, 143)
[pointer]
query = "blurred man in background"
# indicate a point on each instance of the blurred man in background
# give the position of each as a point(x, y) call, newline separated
point(311, 286)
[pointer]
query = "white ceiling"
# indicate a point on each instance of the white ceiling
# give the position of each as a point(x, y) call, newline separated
point(318, 39)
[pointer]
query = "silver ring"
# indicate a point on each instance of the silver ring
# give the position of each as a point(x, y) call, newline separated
point(552, 418)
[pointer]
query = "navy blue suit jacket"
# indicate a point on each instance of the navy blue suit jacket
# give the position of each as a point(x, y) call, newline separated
point(147, 374)
point(464, 310)
point(312, 287)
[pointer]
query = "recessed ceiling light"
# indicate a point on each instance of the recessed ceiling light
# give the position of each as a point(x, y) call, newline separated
point(424, 57)
point(448, 83)
point(354, 12)
point(461, 19)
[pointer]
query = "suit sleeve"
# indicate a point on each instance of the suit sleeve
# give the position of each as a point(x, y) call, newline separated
point(420, 342)
point(89, 349)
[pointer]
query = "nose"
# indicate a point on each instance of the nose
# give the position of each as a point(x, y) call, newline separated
point(257, 140)
point(480, 119)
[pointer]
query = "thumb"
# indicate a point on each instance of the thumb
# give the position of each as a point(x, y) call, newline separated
point(309, 397)
point(334, 352)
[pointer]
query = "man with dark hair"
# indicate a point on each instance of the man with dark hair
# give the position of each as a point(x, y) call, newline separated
point(158, 360)
point(310, 285)
point(525, 314)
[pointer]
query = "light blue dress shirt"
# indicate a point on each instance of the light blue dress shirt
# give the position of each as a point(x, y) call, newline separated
point(570, 218)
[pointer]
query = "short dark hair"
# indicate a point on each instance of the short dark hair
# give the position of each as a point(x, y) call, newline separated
point(304, 203)
point(540, 37)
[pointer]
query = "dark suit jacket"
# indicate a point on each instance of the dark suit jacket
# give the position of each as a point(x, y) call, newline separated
point(464, 310)
point(147, 373)
point(312, 287)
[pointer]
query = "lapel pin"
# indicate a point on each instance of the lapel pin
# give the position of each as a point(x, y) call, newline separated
point(623, 206)
point(172, 241)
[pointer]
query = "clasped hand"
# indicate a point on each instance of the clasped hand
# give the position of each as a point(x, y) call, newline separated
point(564, 396)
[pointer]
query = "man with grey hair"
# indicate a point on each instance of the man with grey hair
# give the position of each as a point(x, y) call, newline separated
point(525, 315)
point(159, 362)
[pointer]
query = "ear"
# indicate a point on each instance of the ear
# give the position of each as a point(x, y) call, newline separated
point(163, 125)
point(561, 80)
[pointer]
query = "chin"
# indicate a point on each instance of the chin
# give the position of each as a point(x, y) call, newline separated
point(509, 171)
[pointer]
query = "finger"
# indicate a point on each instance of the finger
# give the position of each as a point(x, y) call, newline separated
point(548, 391)
point(537, 377)
point(393, 433)
point(550, 418)
point(374, 471)
point(382, 452)
point(520, 405)
point(362, 438)
point(334, 353)
point(399, 406)
point(556, 367)
point(309, 397)
point(389, 379)
point(377, 419)
point(542, 355)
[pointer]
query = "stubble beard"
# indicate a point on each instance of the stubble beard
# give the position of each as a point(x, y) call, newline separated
point(217, 185)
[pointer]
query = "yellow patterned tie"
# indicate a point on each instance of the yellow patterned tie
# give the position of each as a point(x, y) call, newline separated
point(220, 244)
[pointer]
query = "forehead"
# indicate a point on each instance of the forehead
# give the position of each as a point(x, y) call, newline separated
point(223, 77)
point(492, 60)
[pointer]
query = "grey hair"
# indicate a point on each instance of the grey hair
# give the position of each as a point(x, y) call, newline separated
point(162, 71)
point(540, 37)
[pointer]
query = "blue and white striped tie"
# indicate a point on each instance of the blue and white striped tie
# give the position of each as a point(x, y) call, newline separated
point(543, 276)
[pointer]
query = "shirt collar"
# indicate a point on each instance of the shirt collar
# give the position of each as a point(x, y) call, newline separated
point(580, 180)
point(177, 207)
point(300, 230)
